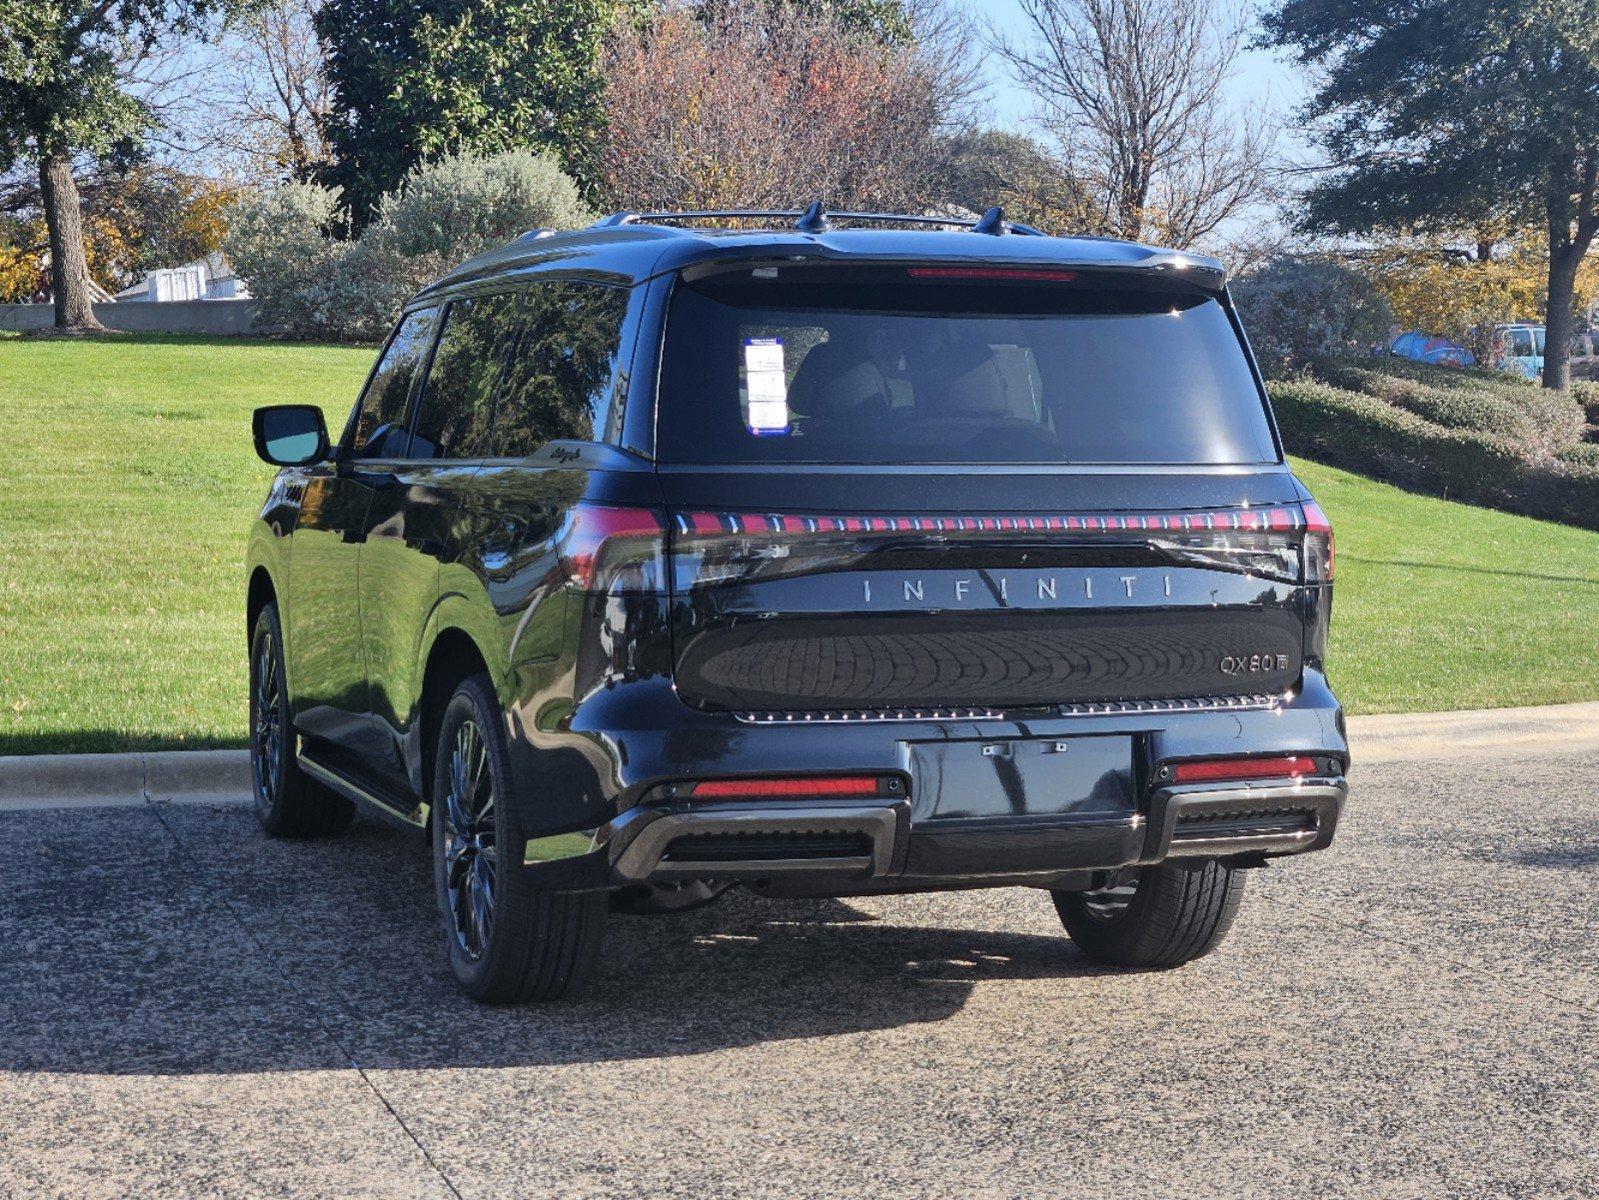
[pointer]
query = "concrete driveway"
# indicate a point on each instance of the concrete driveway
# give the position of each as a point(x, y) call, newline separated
point(189, 1009)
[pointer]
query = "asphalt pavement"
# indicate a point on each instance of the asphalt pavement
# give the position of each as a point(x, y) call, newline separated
point(190, 1009)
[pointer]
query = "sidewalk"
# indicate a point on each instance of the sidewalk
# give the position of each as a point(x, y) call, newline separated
point(223, 776)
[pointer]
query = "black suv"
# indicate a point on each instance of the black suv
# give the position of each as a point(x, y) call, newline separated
point(832, 557)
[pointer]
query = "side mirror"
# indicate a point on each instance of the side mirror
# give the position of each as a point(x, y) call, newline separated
point(291, 435)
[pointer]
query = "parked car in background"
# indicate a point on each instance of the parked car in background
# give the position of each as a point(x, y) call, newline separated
point(1518, 350)
point(1427, 348)
point(822, 561)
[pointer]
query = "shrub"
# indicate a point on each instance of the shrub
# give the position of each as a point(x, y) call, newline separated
point(280, 242)
point(311, 285)
point(1369, 435)
point(1300, 309)
point(1585, 392)
point(1583, 454)
point(1538, 421)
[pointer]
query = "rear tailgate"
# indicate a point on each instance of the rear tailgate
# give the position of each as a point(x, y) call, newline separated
point(883, 605)
point(940, 487)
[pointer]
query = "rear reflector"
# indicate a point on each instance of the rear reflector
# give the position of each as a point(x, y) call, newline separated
point(837, 786)
point(1289, 766)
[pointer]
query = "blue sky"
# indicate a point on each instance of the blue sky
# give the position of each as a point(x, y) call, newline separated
point(1263, 78)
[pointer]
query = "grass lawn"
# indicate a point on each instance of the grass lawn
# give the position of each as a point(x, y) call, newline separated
point(129, 484)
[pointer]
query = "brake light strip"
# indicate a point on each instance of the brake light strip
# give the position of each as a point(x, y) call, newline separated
point(1244, 519)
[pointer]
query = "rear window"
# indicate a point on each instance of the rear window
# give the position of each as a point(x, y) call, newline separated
point(808, 364)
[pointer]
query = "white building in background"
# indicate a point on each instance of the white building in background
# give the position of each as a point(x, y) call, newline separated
point(209, 278)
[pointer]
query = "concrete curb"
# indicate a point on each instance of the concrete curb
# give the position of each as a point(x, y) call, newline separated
point(223, 776)
point(1552, 728)
point(100, 780)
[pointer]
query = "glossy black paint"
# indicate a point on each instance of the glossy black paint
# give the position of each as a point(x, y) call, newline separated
point(397, 577)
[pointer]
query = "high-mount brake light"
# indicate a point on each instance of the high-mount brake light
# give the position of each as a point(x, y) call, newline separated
point(1217, 770)
point(606, 548)
point(834, 787)
point(1318, 545)
point(1025, 274)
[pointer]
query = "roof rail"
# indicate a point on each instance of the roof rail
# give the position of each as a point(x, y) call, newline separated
point(816, 219)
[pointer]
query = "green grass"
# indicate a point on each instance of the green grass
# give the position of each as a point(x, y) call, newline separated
point(126, 492)
point(1440, 605)
point(129, 483)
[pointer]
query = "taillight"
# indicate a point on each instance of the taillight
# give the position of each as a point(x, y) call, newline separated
point(613, 550)
point(1318, 547)
point(711, 548)
point(1290, 766)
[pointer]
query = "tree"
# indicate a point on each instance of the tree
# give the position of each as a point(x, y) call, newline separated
point(415, 81)
point(986, 167)
point(1298, 309)
point(1133, 91)
point(1442, 113)
point(1442, 287)
point(310, 283)
point(275, 102)
point(63, 94)
point(762, 105)
point(134, 220)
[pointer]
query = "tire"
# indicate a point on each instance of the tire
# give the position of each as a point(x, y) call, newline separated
point(1171, 914)
point(289, 803)
point(507, 942)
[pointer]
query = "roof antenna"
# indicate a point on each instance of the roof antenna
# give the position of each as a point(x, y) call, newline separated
point(813, 219)
point(992, 222)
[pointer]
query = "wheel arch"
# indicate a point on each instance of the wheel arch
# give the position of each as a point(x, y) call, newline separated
point(262, 591)
point(453, 655)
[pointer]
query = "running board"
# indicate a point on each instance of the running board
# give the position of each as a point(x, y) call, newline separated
point(374, 800)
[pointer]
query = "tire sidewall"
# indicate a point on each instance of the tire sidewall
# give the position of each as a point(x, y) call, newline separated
point(266, 625)
point(472, 700)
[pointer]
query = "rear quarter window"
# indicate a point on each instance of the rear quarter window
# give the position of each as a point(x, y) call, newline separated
point(815, 365)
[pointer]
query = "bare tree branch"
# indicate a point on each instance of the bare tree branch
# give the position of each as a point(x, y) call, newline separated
point(1134, 93)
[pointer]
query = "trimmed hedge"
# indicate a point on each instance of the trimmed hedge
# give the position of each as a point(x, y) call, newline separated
point(1541, 422)
point(1374, 437)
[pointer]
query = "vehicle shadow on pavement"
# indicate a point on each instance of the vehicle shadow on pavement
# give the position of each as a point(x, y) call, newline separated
point(189, 943)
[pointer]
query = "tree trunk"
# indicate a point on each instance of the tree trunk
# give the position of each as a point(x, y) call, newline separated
point(69, 270)
point(1563, 264)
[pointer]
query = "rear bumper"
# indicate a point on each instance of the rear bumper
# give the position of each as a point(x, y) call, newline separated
point(960, 818)
point(652, 845)
point(876, 846)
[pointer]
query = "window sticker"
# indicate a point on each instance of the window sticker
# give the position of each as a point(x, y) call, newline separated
point(766, 387)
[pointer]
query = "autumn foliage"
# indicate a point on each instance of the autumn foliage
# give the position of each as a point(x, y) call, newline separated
point(755, 107)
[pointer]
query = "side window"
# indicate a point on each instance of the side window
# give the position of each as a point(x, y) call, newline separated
point(458, 399)
point(560, 378)
point(380, 416)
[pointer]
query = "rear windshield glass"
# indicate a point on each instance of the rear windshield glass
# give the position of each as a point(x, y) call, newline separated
point(773, 365)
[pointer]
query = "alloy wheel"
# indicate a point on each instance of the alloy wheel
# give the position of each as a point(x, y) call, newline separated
point(266, 734)
point(1106, 904)
point(471, 860)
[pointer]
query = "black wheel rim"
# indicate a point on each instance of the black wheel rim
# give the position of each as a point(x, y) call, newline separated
point(470, 859)
point(1106, 904)
point(266, 726)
